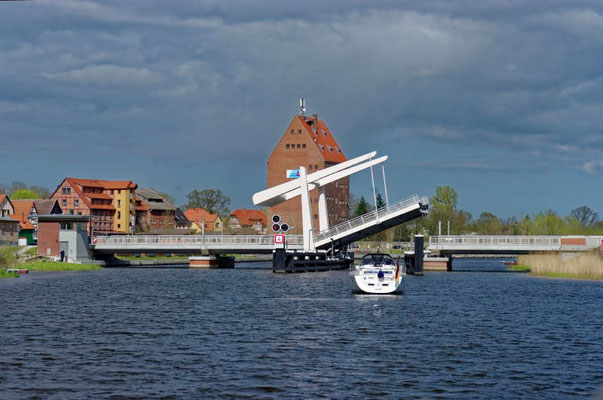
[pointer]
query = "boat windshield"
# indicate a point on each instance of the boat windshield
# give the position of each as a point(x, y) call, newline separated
point(377, 259)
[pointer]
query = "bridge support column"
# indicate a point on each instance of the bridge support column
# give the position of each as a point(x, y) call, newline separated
point(211, 262)
point(419, 254)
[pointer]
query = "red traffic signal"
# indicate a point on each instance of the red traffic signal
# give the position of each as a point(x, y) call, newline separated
point(276, 227)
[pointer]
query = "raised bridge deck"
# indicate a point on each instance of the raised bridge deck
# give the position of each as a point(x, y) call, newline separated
point(337, 236)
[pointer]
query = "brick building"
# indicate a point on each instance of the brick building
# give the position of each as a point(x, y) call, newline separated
point(111, 204)
point(159, 214)
point(308, 142)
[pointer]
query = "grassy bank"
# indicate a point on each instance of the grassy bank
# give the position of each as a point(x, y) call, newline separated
point(519, 268)
point(588, 265)
point(57, 266)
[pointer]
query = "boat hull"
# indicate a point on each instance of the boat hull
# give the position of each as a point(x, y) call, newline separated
point(369, 280)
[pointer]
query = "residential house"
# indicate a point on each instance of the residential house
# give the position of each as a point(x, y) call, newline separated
point(181, 222)
point(9, 231)
point(111, 204)
point(26, 212)
point(308, 142)
point(6, 206)
point(160, 214)
point(243, 218)
point(204, 222)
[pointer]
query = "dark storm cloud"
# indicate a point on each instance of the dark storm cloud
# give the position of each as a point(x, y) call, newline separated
point(167, 82)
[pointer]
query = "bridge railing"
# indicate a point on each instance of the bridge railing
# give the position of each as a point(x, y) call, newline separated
point(201, 240)
point(487, 240)
point(369, 217)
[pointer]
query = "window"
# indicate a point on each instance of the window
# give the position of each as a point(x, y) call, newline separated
point(118, 214)
point(315, 166)
point(79, 213)
point(304, 145)
point(299, 131)
point(298, 145)
point(286, 146)
point(330, 148)
point(71, 212)
point(66, 190)
point(323, 132)
point(292, 130)
point(310, 167)
point(76, 202)
point(118, 226)
point(64, 202)
point(119, 191)
point(118, 204)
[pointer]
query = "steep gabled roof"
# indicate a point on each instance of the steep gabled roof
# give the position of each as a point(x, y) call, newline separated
point(323, 139)
point(318, 132)
point(22, 209)
point(3, 196)
point(154, 200)
point(200, 215)
point(249, 217)
point(45, 206)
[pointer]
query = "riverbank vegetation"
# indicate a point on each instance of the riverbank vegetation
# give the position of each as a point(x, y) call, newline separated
point(582, 220)
point(588, 265)
point(9, 259)
point(58, 266)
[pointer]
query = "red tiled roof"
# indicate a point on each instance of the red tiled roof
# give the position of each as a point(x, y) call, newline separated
point(199, 214)
point(140, 205)
point(249, 217)
point(22, 209)
point(22, 224)
point(323, 139)
point(101, 196)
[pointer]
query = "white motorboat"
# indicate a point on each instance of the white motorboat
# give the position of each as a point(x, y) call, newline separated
point(377, 274)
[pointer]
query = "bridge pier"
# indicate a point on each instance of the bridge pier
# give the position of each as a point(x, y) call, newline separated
point(211, 262)
point(298, 261)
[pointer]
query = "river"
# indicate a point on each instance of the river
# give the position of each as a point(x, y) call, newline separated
point(177, 333)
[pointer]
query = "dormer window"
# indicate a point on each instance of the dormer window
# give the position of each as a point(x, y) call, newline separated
point(330, 148)
point(323, 132)
point(338, 150)
point(322, 147)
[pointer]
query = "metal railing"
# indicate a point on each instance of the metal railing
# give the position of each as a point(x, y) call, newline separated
point(201, 240)
point(488, 241)
point(374, 215)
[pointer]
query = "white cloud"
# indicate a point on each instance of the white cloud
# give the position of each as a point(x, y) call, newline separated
point(593, 167)
point(107, 75)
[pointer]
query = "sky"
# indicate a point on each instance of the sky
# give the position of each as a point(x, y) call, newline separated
point(500, 99)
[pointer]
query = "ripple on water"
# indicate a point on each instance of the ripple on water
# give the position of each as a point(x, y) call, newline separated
point(177, 333)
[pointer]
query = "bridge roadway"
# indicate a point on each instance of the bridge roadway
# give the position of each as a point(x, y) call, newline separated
point(335, 237)
point(510, 244)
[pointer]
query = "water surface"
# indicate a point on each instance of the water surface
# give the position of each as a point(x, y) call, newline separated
point(249, 333)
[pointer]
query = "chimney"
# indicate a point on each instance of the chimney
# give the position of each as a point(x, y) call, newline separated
point(314, 119)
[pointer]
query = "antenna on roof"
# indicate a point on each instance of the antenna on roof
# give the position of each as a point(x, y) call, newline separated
point(302, 106)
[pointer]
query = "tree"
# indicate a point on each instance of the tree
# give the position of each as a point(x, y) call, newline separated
point(380, 202)
point(212, 200)
point(24, 194)
point(362, 207)
point(585, 215)
point(445, 197)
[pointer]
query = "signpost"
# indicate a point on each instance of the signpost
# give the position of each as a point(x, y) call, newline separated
point(279, 241)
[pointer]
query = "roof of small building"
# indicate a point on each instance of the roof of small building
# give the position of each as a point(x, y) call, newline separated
point(22, 209)
point(249, 217)
point(3, 196)
point(23, 224)
point(45, 206)
point(200, 215)
point(180, 217)
point(154, 200)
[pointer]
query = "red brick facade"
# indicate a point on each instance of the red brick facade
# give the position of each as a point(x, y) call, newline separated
point(48, 239)
point(308, 142)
